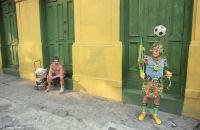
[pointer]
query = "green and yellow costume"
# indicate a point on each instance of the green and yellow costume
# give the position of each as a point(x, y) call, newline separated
point(152, 69)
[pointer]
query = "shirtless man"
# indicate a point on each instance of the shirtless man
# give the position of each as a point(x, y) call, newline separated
point(55, 72)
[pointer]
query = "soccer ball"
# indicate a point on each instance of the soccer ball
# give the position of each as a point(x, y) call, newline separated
point(160, 30)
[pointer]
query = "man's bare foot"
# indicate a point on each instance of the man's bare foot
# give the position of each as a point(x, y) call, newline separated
point(61, 90)
point(48, 89)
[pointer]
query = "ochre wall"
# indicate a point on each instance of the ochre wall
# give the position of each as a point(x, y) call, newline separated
point(30, 48)
point(1, 31)
point(97, 51)
point(192, 92)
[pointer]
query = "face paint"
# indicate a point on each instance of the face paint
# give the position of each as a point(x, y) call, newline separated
point(156, 52)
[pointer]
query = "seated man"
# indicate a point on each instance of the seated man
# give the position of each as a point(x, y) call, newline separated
point(55, 72)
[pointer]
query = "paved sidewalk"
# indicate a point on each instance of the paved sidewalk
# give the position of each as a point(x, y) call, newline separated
point(22, 108)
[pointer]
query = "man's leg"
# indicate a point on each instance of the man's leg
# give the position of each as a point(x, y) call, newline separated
point(144, 109)
point(155, 110)
point(62, 84)
point(145, 92)
point(49, 80)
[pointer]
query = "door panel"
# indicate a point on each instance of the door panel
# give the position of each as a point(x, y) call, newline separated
point(10, 36)
point(60, 31)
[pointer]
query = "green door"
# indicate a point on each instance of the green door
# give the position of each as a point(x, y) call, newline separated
point(139, 18)
point(9, 37)
point(59, 33)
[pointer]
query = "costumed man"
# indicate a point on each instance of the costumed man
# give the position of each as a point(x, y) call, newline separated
point(153, 68)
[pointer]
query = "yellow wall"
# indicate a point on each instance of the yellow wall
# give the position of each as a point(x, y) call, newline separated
point(192, 92)
point(97, 52)
point(1, 64)
point(30, 48)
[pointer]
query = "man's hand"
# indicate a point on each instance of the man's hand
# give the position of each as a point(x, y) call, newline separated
point(142, 75)
point(53, 77)
point(168, 74)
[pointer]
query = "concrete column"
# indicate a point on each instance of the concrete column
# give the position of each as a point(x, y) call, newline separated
point(97, 51)
point(192, 92)
point(30, 45)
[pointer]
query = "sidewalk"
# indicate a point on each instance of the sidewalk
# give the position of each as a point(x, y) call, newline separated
point(23, 108)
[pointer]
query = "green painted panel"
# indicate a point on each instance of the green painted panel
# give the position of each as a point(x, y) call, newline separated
point(134, 18)
point(9, 36)
point(177, 20)
point(139, 19)
point(57, 25)
point(59, 21)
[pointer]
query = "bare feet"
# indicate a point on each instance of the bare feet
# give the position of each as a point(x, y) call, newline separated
point(61, 90)
point(48, 89)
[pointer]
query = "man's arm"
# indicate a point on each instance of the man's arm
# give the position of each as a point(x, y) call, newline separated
point(50, 70)
point(61, 70)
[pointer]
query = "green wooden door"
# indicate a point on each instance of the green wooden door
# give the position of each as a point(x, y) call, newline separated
point(9, 37)
point(139, 18)
point(57, 20)
point(60, 31)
